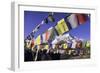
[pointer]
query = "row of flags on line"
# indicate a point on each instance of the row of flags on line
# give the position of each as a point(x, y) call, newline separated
point(62, 26)
point(64, 45)
point(68, 23)
point(46, 20)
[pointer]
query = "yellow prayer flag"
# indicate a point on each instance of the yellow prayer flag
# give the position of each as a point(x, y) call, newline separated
point(61, 27)
point(87, 44)
point(46, 47)
point(38, 40)
point(65, 46)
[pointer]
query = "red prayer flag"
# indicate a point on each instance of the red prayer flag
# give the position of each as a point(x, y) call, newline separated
point(47, 35)
point(81, 18)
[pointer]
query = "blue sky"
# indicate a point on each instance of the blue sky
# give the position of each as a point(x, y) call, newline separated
point(33, 18)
